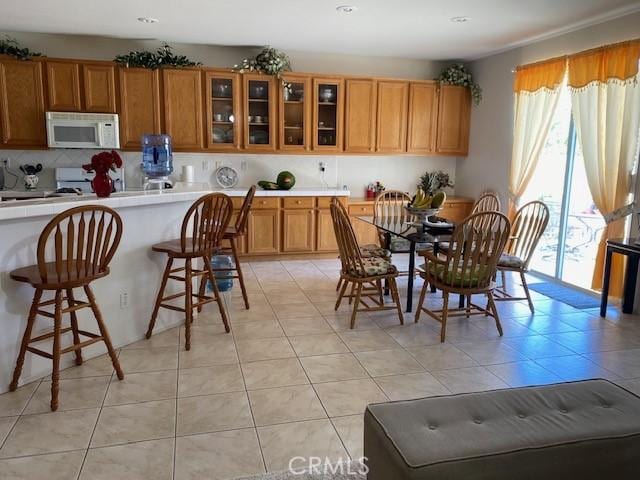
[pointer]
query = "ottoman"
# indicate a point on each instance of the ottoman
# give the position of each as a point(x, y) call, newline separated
point(587, 430)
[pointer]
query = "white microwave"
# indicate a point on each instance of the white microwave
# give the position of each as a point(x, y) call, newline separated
point(82, 130)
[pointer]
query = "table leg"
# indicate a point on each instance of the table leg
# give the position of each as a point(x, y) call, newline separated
point(605, 284)
point(387, 245)
point(630, 278)
point(412, 265)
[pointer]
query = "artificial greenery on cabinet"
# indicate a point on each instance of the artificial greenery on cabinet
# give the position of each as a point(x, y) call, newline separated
point(10, 46)
point(457, 74)
point(162, 57)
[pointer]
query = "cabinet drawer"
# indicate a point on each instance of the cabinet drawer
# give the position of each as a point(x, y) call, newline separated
point(361, 209)
point(325, 202)
point(265, 202)
point(298, 202)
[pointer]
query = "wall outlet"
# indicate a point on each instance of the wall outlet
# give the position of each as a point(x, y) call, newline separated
point(205, 165)
point(124, 300)
point(218, 164)
point(6, 162)
point(322, 167)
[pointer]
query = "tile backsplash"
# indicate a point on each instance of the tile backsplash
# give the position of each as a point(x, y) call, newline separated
point(395, 172)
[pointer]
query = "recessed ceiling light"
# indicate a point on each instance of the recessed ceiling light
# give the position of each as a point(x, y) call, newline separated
point(148, 20)
point(346, 8)
point(459, 19)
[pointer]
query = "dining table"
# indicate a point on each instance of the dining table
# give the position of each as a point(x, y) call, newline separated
point(412, 229)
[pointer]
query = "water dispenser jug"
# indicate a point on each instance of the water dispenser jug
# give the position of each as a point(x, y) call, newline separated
point(157, 158)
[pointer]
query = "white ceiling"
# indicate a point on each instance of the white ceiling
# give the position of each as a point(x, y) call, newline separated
point(400, 28)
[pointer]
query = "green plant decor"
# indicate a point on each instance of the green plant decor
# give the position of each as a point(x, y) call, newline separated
point(269, 61)
point(162, 57)
point(457, 74)
point(10, 46)
point(433, 182)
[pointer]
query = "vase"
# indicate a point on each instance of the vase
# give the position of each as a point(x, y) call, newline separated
point(102, 185)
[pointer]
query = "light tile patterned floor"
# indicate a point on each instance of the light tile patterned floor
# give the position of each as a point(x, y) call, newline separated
point(291, 380)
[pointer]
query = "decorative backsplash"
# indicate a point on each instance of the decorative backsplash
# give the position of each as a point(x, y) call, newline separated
point(396, 172)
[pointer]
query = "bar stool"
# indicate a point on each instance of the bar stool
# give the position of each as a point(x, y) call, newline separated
point(84, 240)
point(202, 229)
point(232, 234)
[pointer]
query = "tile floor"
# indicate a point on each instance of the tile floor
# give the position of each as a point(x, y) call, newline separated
point(291, 380)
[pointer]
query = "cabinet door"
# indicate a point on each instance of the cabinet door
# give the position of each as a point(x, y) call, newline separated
point(454, 110)
point(139, 105)
point(99, 81)
point(224, 119)
point(298, 230)
point(456, 211)
point(328, 99)
point(22, 104)
point(365, 232)
point(259, 112)
point(423, 117)
point(183, 108)
point(360, 116)
point(63, 84)
point(294, 113)
point(263, 231)
point(391, 131)
point(325, 235)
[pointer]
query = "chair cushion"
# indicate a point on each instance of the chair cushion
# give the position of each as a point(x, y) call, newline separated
point(374, 266)
point(510, 261)
point(456, 278)
point(372, 250)
point(402, 245)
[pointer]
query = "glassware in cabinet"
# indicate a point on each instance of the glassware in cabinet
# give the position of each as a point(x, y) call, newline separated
point(259, 112)
point(294, 112)
point(223, 110)
point(328, 99)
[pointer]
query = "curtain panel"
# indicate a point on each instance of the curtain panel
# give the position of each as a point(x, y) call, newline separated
point(536, 91)
point(605, 97)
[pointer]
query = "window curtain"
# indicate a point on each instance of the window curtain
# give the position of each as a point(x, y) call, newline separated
point(605, 97)
point(536, 90)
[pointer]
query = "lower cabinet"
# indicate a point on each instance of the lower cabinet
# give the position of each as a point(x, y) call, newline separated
point(365, 232)
point(325, 236)
point(298, 227)
point(263, 234)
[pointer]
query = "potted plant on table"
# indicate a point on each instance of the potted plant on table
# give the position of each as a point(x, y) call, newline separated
point(101, 163)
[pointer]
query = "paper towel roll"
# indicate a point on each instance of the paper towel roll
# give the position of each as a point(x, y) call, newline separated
point(187, 173)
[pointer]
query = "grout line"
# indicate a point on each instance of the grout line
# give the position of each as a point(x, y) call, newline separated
point(21, 413)
point(175, 421)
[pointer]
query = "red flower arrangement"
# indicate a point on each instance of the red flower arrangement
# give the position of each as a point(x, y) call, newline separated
point(103, 162)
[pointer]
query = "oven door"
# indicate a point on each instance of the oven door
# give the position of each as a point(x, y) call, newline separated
point(73, 134)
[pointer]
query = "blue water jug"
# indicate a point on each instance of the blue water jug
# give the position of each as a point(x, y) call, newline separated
point(157, 157)
point(223, 280)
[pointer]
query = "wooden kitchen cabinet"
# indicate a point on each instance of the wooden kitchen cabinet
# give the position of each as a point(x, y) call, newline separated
point(139, 105)
point(99, 87)
point(223, 112)
point(365, 232)
point(328, 99)
point(264, 231)
point(391, 118)
point(423, 117)
point(63, 86)
point(182, 90)
point(259, 110)
point(454, 111)
point(325, 234)
point(294, 113)
point(298, 229)
point(360, 115)
point(22, 104)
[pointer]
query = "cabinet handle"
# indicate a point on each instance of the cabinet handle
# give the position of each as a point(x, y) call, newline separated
point(298, 202)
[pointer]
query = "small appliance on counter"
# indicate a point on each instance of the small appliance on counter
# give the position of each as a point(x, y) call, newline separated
point(78, 179)
point(157, 162)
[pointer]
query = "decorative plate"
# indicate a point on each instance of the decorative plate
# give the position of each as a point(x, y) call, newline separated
point(226, 177)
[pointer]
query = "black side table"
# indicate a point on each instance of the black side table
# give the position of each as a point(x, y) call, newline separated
point(628, 247)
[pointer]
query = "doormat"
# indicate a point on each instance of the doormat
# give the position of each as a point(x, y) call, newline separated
point(568, 295)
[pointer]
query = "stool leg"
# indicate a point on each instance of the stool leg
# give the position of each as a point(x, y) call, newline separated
point(163, 285)
point(203, 288)
point(188, 308)
point(55, 373)
point(104, 333)
point(74, 325)
point(234, 250)
point(219, 299)
point(33, 311)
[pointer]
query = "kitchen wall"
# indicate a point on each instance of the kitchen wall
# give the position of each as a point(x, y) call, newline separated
point(488, 163)
point(399, 172)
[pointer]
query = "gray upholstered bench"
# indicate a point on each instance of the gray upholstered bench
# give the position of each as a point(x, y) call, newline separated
point(582, 430)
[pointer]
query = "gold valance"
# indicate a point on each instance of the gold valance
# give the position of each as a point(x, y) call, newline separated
point(618, 61)
point(533, 77)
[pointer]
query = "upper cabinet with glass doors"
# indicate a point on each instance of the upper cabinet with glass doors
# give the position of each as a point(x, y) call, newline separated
point(294, 113)
point(328, 99)
point(259, 111)
point(223, 110)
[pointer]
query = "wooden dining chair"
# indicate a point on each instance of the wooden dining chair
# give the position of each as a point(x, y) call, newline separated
point(390, 204)
point(202, 230)
point(468, 268)
point(487, 202)
point(232, 234)
point(528, 226)
point(364, 274)
point(74, 249)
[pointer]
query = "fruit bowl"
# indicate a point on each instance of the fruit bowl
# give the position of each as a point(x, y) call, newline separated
point(422, 213)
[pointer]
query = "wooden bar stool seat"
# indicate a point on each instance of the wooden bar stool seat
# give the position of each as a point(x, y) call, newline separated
point(202, 230)
point(84, 240)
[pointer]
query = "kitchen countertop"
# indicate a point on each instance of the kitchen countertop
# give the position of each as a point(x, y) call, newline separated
point(53, 205)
